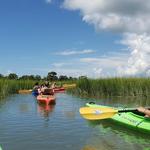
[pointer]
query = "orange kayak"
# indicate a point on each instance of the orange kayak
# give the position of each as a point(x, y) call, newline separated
point(46, 99)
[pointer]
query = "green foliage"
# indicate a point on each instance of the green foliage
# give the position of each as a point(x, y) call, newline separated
point(12, 76)
point(52, 76)
point(12, 86)
point(113, 87)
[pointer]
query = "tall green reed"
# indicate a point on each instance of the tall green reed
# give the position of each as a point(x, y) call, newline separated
point(12, 86)
point(113, 87)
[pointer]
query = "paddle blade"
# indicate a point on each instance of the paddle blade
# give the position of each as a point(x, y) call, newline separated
point(97, 113)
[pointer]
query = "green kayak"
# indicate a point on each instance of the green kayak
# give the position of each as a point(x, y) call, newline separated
point(135, 120)
point(0, 148)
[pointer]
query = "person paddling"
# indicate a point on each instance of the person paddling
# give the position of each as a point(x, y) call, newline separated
point(144, 111)
point(35, 91)
point(46, 89)
point(53, 85)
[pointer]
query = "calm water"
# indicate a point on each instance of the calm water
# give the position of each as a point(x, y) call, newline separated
point(25, 125)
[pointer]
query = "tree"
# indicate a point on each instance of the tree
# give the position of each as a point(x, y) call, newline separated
point(12, 76)
point(37, 77)
point(83, 77)
point(52, 76)
point(24, 77)
point(1, 76)
point(62, 77)
point(31, 77)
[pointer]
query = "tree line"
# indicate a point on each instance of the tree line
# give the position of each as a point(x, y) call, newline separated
point(51, 76)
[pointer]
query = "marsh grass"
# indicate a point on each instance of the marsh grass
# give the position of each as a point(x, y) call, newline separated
point(8, 87)
point(113, 87)
point(12, 86)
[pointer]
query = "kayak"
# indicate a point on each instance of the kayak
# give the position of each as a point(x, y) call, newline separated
point(67, 86)
point(0, 148)
point(59, 89)
point(46, 99)
point(135, 120)
point(25, 91)
point(35, 93)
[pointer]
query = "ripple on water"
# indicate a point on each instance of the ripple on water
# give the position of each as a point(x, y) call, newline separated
point(27, 125)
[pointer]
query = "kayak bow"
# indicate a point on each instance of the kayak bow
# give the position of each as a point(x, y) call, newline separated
point(46, 99)
point(132, 119)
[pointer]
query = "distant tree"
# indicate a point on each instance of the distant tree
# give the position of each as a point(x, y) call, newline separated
point(37, 77)
point(52, 76)
point(70, 78)
point(24, 77)
point(62, 77)
point(83, 77)
point(12, 76)
point(1, 76)
point(31, 77)
point(44, 78)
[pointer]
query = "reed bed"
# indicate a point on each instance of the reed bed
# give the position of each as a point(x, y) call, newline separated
point(8, 87)
point(113, 87)
point(12, 86)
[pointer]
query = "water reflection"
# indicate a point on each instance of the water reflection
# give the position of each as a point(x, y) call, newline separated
point(24, 107)
point(45, 110)
point(111, 135)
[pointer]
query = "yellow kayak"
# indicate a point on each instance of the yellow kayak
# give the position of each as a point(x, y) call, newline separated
point(67, 86)
point(24, 91)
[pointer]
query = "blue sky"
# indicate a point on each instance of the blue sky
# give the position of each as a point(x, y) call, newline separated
point(38, 36)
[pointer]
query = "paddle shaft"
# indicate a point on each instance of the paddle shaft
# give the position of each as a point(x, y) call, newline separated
point(130, 110)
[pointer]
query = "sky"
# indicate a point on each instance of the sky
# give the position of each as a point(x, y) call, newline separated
point(95, 38)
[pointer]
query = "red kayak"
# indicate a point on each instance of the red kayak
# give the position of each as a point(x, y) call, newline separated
point(59, 89)
point(46, 99)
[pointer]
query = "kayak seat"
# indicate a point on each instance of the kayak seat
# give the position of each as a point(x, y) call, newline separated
point(48, 91)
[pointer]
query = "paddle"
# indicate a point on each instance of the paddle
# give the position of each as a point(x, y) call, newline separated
point(91, 113)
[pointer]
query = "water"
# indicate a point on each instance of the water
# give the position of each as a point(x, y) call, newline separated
point(26, 125)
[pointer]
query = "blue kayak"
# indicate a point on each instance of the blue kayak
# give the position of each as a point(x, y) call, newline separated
point(35, 93)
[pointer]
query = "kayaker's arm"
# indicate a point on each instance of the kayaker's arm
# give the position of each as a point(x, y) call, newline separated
point(145, 111)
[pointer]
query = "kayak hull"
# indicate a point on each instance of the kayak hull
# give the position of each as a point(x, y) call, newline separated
point(129, 119)
point(46, 99)
point(24, 91)
point(59, 90)
point(69, 86)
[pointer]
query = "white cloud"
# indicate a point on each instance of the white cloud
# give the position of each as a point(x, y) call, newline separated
point(48, 1)
point(115, 15)
point(107, 62)
point(58, 64)
point(138, 62)
point(128, 17)
point(8, 72)
point(71, 52)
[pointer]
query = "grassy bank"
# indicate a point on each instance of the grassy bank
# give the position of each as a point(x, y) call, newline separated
point(12, 86)
point(113, 87)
